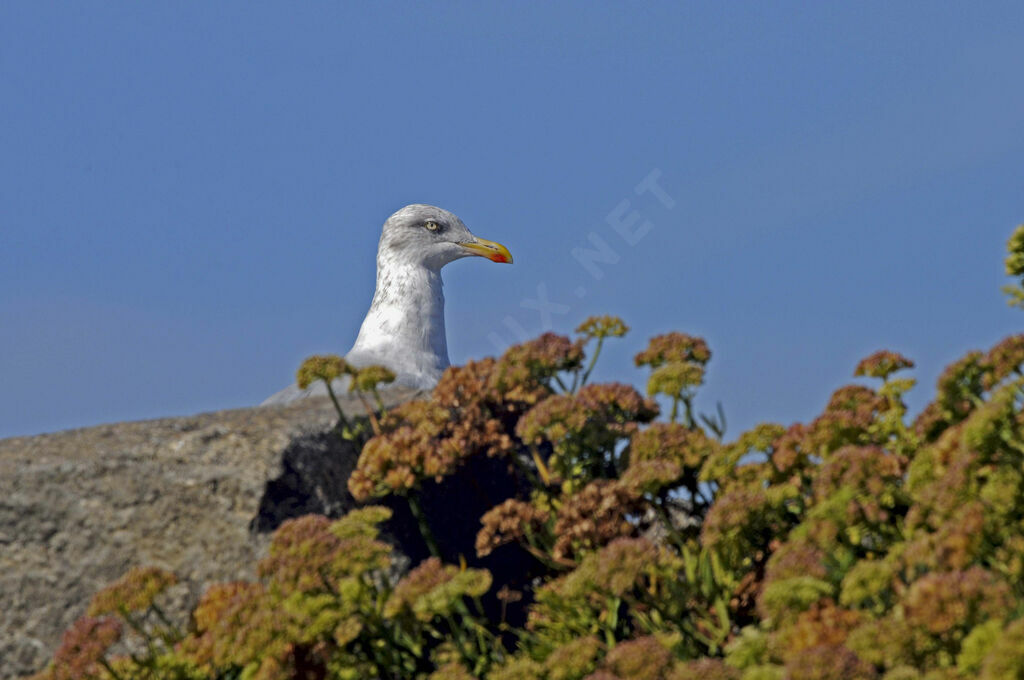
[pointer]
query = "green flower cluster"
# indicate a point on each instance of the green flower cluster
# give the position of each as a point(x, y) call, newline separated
point(362, 381)
point(1015, 267)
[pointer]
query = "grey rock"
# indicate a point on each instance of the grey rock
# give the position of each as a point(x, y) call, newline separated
point(294, 393)
point(197, 495)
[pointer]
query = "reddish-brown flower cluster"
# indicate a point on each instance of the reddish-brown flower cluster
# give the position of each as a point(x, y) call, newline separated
point(553, 419)
point(305, 555)
point(592, 517)
point(462, 387)
point(941, 602)
point(847, 419)
point(882, 364)
point(673, 442)
point(650, 476)
point(134, 592)
point(796, 559)
point(410, 447)
point(608, 411)
point(824, 624)
point(641, 659)
point(225, 620)
point(317, 574)
point(619, 406)
point(1004, 360)
point(790, 452)
point(82, 649)
point(706, 669)
point(614, 570)
point(674, 348)
point(950, 538)
point(472, 410)
point(524, 372)
point(480, 412)
point(829, 662)
point(512, 521)
point(677, 361)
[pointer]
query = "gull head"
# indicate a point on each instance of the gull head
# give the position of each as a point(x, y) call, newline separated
point(432, 237)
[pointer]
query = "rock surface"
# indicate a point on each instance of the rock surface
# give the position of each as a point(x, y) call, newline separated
point(197, 495)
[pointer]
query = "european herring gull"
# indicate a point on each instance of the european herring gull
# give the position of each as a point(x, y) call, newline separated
point(404, 328)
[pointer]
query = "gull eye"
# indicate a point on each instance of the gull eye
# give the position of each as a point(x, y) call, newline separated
point(432, 226)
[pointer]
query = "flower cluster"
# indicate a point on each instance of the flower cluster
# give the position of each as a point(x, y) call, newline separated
point(368, 378)
point(326, 367)
point(603, 327)
point(592, 517)
point(650, 476)
point(943, 602)
point(882, 364)
point(306, 555)
point(509, 522)
point(1015, 267)
point(433, 589)
point(525, 372)
point(675, 378)
point(644, 658)
point(82, 649)
point(1004, 360)
point(829, 662)
point(583, 429)
point(134, 592)
point(672, 442)
point(743, 521)
point(616, 569)
point(411, 447)
point(674, 348)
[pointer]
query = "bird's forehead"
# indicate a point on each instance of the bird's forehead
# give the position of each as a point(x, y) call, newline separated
point(419, 212)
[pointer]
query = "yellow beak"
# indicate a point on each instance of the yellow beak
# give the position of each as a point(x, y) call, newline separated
point(495, 252)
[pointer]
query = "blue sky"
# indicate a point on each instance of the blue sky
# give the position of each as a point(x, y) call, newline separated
point(191, 193)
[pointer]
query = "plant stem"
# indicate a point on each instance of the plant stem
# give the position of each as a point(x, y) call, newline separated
point(421, 520)
point(378, 399)
point(593, 361)
point(337, 407)
point(106, 665)
point(374, 423)
point(171, 633)
point(691, 422)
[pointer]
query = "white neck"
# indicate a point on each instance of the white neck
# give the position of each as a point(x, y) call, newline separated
point(404, 329)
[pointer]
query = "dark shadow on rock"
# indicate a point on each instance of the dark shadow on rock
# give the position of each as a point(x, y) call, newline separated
point(313, 480)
